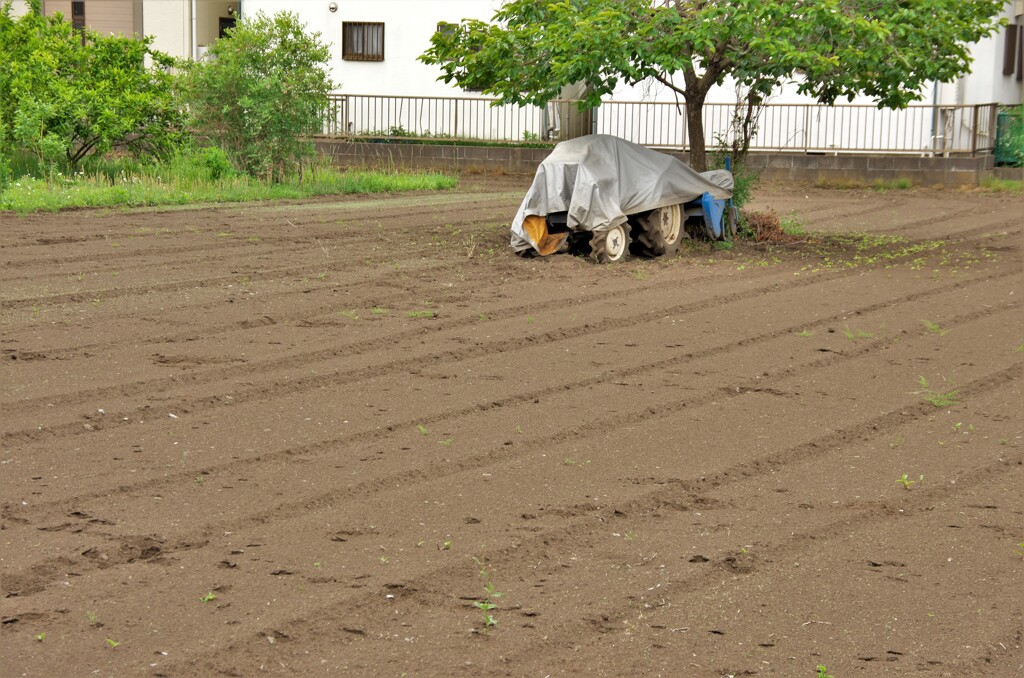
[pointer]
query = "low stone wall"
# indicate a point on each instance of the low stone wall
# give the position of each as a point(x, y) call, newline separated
point(777, 167)
point(868, 169)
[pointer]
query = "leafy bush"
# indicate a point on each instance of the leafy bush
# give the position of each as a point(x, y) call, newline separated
point(66, 95)
point(217, 163)
point(259, 93)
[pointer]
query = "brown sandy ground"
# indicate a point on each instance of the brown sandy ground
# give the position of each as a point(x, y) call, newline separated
point(301, 438)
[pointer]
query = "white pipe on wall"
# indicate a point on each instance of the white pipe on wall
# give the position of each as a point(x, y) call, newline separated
point(195, 37)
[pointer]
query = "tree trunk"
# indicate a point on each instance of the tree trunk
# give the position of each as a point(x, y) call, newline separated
point(695, 131)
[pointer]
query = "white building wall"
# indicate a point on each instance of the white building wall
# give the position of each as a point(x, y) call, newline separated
point(169, 22)
point(18, 7)
point(986, 82)
point(408, 25)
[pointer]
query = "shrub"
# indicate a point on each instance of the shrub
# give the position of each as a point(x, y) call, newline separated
point(259, 93)
point(217, 163)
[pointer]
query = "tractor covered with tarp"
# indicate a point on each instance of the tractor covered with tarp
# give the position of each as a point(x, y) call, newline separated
point(604, 197)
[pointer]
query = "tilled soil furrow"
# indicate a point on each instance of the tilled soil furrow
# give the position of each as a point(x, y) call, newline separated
point(291, 385)
point(310, 314)
point(578, 529)
point(307, 358)
point(326, 446)
point(499, 455)
point(209, 281)
point(744, 460)
point(35, 233)
point(677, 495)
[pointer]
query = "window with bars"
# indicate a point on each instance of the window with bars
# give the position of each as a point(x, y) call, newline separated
point(362, 41)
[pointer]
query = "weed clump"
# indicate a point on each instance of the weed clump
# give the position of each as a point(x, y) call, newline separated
point(768, 227)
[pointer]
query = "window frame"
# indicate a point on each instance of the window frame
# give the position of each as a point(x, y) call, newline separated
point(348, 51)
point(78, 14)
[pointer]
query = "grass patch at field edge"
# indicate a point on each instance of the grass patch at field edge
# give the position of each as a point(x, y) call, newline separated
point(28, 194)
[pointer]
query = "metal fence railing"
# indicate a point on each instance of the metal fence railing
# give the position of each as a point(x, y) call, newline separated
point(809, 128)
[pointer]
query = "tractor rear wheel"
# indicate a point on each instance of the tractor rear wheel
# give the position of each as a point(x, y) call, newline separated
point(657, 233)
point(609, 247)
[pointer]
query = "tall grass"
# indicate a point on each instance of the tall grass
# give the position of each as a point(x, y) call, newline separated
point(195, 177)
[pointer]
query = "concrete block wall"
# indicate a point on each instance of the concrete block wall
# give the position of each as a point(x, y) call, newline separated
point(775, 167)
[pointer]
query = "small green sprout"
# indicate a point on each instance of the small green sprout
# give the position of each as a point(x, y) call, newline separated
point(112, 643)
point(377, 310)
point(351, 315)
point(421, 314)
point(210, 596)
point(943, 399)
point(492, 594)
point(934, 328)
point(41, 636)
point(446, 545)
point(906, 482)
point(422, 429)
point(804, 333)
point(823, 672)
point(935, 398)
point(385, 560)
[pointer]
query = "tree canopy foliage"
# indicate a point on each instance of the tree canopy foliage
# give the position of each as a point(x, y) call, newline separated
point(886, 49)
point(260, 90)
point(67, 94)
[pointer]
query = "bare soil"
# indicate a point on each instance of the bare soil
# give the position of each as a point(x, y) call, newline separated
point(302, 439)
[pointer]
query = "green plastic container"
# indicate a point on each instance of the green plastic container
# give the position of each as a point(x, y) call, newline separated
point(1010, 138)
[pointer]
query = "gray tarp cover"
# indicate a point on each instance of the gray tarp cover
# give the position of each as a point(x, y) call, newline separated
point(599, 179)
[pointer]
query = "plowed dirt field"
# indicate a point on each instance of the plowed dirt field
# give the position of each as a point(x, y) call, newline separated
point(321, 438)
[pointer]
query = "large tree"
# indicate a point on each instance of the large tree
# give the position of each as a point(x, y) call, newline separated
point(886, 49)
